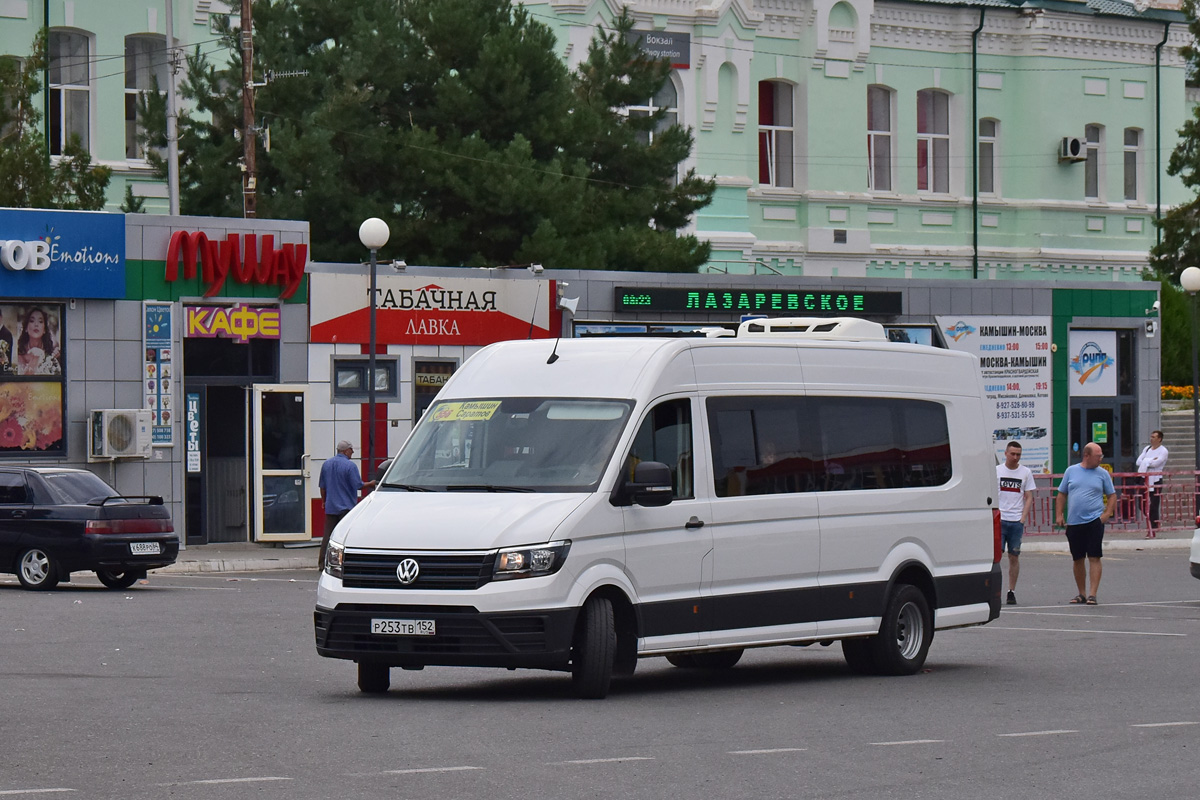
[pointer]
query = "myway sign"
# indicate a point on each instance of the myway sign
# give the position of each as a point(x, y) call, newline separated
point(237, 258)
point(62, 254)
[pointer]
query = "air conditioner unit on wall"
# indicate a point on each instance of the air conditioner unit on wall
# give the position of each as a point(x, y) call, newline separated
point(1072, 149)
point(119, 433)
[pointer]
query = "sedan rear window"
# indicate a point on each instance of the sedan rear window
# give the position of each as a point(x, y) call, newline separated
point(76, 487)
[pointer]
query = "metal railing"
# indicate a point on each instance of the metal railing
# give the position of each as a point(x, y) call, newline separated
point(1178, 493)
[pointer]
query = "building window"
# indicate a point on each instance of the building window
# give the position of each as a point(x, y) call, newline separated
point(879, 139)
point(429, 375)
point(11, 69)
point(350, 379)
point(1092, 134)
point(989, 129)
point(667, 101)
point(1133, 164)
point(146, 70)
point(776, 133)
point(70, 90)
point(933, 141)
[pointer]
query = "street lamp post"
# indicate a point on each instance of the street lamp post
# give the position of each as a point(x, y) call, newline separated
point(1189, 279)
point(374, 233)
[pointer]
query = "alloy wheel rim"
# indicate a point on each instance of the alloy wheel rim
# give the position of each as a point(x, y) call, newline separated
point(35, 566)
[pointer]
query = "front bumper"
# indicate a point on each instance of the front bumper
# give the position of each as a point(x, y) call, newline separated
point(465, 637)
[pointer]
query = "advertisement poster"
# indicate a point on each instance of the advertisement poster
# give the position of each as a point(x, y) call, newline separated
point(192, 433)
point(62, 253)
point(158, 372)
point(32, 370)
point(1014, 359)
point(1093, 365)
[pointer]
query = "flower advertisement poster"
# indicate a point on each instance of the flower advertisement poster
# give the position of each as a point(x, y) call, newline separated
point(32, 373)
point(31, 418)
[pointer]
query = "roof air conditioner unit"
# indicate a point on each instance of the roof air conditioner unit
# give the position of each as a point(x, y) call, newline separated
point(1072, 149)
point(119, 433)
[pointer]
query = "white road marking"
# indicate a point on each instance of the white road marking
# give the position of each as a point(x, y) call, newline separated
point(1078, 630)
point(224, 780)
point(1090, 614)
point(1034, 733)
point(34, 791)
point(766, 752)
point(1163, 724)
point(428, 769)
point(607, 760)
point(910, 741)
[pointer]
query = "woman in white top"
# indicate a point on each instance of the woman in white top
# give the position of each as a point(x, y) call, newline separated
point(1153, 460)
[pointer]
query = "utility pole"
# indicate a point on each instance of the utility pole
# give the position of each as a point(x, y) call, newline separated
point(249, 177)
point(172, 115)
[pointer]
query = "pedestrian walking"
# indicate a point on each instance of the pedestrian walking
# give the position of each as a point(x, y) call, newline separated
point(340, 484)
point(1015, 486)
point(1153, 461)
point(1086, 500)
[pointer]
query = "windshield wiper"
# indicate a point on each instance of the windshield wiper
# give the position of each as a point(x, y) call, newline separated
point(486, 487)
point(408, 487)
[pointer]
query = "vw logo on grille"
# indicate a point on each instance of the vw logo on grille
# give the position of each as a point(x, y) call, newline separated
point(407, 571)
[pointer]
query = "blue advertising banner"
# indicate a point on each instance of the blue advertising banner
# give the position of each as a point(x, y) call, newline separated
point(62, 254)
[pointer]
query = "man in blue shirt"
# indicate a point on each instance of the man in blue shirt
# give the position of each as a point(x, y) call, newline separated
point(340, 484)
point(1087, 495)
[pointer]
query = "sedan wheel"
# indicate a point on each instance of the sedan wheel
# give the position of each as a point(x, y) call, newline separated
point(118, 580)
point(37, 569)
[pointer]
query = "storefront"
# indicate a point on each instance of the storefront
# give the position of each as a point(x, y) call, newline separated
point(154, 350)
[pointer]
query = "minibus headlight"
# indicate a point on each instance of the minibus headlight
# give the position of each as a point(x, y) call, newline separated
point(530, 562)
point(335, 554)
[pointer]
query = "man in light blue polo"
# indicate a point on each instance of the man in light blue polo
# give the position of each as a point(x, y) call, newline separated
point(340, 484)
point(1086, 493)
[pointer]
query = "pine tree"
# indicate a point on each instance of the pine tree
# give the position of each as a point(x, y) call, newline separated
point(28, 177)
point(457, 122)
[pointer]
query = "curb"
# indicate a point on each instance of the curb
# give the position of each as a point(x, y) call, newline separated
point(237, 565)
point(1129, 545)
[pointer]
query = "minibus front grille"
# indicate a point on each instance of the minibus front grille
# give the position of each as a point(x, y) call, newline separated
point(437, 570)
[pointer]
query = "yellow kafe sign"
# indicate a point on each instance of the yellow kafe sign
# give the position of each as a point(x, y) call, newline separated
point(239, 322)
point(465, 412)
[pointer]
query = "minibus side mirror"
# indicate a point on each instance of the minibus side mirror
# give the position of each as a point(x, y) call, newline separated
point(651, 486)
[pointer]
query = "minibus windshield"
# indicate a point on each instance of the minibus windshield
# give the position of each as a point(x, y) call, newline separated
point(511, 444)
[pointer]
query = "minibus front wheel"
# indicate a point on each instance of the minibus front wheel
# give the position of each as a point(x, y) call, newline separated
point(594, 649)
point(374, 678)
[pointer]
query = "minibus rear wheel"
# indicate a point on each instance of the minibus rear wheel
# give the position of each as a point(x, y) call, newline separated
point(594, 649)
point(905, 634)
point(373, 678)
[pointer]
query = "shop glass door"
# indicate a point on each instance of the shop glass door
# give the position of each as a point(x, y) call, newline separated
point(280, 459)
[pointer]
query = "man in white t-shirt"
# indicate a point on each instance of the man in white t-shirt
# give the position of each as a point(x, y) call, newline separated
point(1153, 460)
point(1015, 484)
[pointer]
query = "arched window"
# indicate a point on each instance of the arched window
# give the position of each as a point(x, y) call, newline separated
point(776, 134)
point(933, 141)
point(667, 100)
point(69, 55)
point(879, 138)
point(146, 70)
point(989, 140)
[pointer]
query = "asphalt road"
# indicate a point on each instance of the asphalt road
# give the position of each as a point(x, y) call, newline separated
point(208, 687)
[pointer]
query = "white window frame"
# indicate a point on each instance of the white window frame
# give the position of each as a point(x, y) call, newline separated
point(937, 166)
point(1134, 163)
point(79, 84)
point(1093, 167)
point(655, 104)
point(881, 143)
point(778, 142)
point(992, 143)
point(159, 67)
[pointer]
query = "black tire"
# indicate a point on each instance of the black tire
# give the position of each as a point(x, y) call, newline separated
point(594, 649)
point(718, 659)
point(905, 635)
point(374, 678)
point(118, 580)
point(858, 655)
point(37, 569)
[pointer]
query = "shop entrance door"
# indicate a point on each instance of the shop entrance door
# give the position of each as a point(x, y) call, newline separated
point(1097, 422)
point(280, 458)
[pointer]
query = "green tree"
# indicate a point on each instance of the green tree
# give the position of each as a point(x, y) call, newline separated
point(28, 176)
point(458, 123)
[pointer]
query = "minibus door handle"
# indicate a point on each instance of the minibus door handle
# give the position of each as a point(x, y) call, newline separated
point(694, 523)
